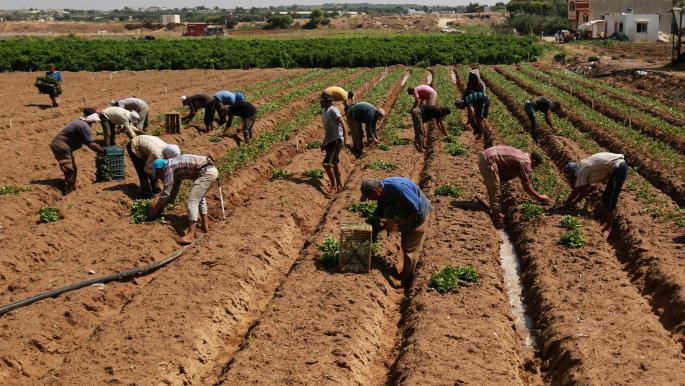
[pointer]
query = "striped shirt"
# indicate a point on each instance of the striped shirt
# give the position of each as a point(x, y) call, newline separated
point(475, 99)
point(183, 167)
point(508, 163)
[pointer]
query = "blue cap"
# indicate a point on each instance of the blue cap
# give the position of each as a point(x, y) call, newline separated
point(158, 164)
point(570, 169)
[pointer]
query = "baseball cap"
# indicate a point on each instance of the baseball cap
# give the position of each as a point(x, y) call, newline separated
point(570, 169)
point(95, 117)
point(368, 186)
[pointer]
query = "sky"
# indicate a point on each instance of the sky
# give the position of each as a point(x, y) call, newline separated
point(118, 4)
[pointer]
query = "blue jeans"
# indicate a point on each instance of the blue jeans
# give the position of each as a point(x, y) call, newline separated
point(614, 185)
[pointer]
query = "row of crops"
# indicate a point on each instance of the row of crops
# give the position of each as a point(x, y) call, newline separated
point(76, 54)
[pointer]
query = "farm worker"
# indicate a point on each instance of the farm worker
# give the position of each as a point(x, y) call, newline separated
point(426, 113)
point(138, 105)
point(56, 75)
point(477, 106)
point(405, 208)
point(224, 98)
point(363, 113)
point(196, 102)
point(599, 168)
point(111, 117)
point(423, 93)
point(341, 95)
point(498, 164)
point(144, 150)
point(203, 173)
point(545, 105)
point(333, 141)
point(74, 135)
point(474, 83)
point(247, 112)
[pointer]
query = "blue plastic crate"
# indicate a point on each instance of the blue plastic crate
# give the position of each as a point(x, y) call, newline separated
point(115, 154)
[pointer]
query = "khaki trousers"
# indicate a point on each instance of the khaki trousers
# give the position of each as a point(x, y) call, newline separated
point(196, 198)
point(65, 158)
point(356, 134)
point(492, 184)
point(412, 244)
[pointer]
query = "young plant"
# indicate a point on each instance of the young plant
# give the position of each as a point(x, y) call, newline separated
point(383, 146)
point(402, 141)
point(10, 189)
point(314, 144)
point(103, 171)
point(570, 222)
point(381, 165)
point(48, 214)
point(139, 210)
point(456, 149)
point(449, 190)
point(363, 208)
point(214, 138)
point(450, 276)
point(573, 238)
point(531, 212)
point(330, 252)
point(314, 173)
point(280, 174)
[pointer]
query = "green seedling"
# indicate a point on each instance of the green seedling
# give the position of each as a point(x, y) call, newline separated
point(214, 138)
point(139, 210)
point(363, 208)
point(449, 277)
point(330, 252)
point(314, 173)
point(384, 146)
point(570, 222)
point(48, 214)
point(456, 149)
point(103, 171)
point(573, 238)
point(382, 165)
point(314, 144)
point(531, 212)
point(402, 142)
point(10, 189)
point(280, 174)
point(449, 190)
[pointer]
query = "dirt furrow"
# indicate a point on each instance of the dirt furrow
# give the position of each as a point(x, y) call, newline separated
point(587, 337)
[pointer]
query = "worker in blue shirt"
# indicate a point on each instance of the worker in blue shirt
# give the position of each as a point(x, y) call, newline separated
point(223, 99)
point(56, 75)
point(405, 208)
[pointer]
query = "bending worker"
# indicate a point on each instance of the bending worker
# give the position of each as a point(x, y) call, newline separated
point(139, 106)
point(199, 169)
point(423, 93)
point(545, 105)
point(333, 141)
point(247, 112)
point(405, 208)
point(477, 106)
point(222, 99)
point(599, 168)
point(503, 163)
point(144, 150)
point(111, 117)
point(341, 95)
point(363, 113)
point(74, 135)
point(196, 102)
point(423, 114)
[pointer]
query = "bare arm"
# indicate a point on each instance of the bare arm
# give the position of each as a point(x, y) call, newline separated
point(96, 148)
point(341, 122)
point(531, 191)
point(548, 119)
point(441, 126)
point(576, 195)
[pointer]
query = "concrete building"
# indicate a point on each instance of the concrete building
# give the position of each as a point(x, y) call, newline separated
point(166, 19)
point(636, 27)
point(583, 11)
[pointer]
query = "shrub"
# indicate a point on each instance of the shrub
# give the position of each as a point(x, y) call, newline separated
point(449, 190)
point(314, 173)
point(330, 252)
point(363, 208)
point(570, 222)
point(48, 214)
point(450, 276)
point(559, 57)
point(314, 145)
point(280, 174)
point(10, 189)
point(381, 165)
point(278, 21)
point(531, 211)
point(573, 238)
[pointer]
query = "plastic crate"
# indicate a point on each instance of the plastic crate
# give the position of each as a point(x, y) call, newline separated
point(115, 155)
point(356, 244)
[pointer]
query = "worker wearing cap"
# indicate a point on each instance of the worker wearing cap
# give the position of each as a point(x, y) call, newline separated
point(423, 93)
point(366, 114)
point(599, 168)
point(223, 99)
point(542, 104)
point(333, 141)
point(111, 117)
point(247, 112)
point(499, 164)
point(203, 173)
point(139, 106)
point(74, 135)
point(196, 102)
point(144, 150)
point(426, 113)
point(404, 207)
point(339, 94)
point(477, 106)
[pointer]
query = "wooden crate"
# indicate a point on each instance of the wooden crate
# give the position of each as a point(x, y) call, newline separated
point(172, 122)
point(355, 248)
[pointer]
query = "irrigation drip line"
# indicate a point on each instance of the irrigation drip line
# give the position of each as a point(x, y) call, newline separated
point(120, 276)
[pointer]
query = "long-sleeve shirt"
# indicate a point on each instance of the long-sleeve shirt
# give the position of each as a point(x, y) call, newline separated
point(121, 117)
point(135, 104)
point(56, 75)
point(148, 148)
point(423, 92)
point(365, 113)
point(339, 94)
point(198, 101)
point(76, 134)
point(508, 163)
point(183, 167)
point(597, 168)
point(404, 194)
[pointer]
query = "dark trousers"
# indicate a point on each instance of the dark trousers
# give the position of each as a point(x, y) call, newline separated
point(614, 186)
point(530, 110)
point(146, 182)
point(214, 107)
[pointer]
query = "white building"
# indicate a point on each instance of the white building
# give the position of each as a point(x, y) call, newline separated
point(637, 28)
point(166, 19)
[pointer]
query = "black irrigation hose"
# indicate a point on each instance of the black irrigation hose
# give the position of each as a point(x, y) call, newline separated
point(103, 279)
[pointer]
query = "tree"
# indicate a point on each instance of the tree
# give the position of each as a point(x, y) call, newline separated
point(473, 8)
point(314, 19)
point(279, 21)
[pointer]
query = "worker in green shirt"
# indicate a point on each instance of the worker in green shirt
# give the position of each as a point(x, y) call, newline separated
point(363, 113)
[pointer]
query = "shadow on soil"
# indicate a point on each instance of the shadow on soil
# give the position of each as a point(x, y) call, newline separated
point(40, 106)
point(312, 181)
point(131, 190)
point(470, 205)
point(56, 183)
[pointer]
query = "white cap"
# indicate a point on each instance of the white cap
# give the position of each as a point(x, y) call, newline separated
point(135, 116)
point(183, 98)
point(114, 102)
point(171, 151)
point(95, 117)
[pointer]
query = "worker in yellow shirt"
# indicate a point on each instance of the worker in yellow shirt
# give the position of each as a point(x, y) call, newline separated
point(340, 95)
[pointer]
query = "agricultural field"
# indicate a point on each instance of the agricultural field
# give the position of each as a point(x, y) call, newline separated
point(258, 299)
